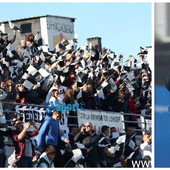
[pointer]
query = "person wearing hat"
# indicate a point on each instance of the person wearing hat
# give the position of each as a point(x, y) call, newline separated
point(23, 146)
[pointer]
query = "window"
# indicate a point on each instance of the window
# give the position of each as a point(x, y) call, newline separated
point(26, 28)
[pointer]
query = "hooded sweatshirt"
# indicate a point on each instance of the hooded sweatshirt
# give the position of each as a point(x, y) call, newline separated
point(49, 133)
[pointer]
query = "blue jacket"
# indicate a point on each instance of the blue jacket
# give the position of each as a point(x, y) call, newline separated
point(49, 133)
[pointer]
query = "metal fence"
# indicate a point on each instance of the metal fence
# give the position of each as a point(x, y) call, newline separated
point(141, 123)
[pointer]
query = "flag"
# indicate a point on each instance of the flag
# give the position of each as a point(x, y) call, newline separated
point(13, 27)
point(103, 142)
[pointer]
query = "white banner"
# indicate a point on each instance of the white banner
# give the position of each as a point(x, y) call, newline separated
point(37, 114)
point(28, 113)
point(98, 119)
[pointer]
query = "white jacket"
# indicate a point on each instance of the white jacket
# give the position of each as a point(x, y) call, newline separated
point(145, 149)
point(43, 165)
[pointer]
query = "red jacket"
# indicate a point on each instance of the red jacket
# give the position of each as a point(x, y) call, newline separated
point(20, 145)
point(132, 107)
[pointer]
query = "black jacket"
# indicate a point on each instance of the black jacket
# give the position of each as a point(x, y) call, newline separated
point(101, 149)
point(89, 141)
point(4, 45)
point(2, 135)
point(89, 100)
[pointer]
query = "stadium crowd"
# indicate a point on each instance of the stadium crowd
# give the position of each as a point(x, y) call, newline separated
point(100, 80)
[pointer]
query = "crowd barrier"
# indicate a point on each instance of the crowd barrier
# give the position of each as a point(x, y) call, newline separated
point(97, 117)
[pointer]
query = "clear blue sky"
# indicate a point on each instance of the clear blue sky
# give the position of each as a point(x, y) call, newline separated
point(122, 26)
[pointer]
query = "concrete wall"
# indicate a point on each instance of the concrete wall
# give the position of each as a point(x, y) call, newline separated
point(59, 28)
point(52, 29)
point(35, 27)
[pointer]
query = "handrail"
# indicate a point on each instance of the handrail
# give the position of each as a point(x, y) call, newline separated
point(142, 129)
point(35, 105)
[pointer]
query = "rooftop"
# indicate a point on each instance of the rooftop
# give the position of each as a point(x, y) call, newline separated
point(34, 17)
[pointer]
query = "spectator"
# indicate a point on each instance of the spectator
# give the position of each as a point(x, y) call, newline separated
point(73, 132)
point(128, 150)
point(3, 85)
point(11, 90)
point(46, 159)
point(89, 139)
point(6, 106)
point(23, 146)
point(56, 85)
point(88, 97)
point(145, 147)
point(50, 132)
point(5, 75)
point(2, 146)
point(55, 98)
point(104, 79)
point(112, 130)
point(32, 44)
point(106, 142)
point(69, 99)
point(121, 101)
point(5, 42)
point(50, 135)
point(68, 96)
point(22, 48)
point(27, 96)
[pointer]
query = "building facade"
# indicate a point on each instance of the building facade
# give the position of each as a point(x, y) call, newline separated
point(51, 28)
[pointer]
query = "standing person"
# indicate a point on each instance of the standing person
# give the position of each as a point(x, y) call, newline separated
point(46, 158)
point(89, 98)
point(23, 146)
point(50, 135)
point(32, 44)
point(11, 91)
point(22, 48)
point(6, 41)
point(6, 106)
point(89, 139)
point(2, 147)
point(69, 96)
point(127, 149)
point(69, 99)
point(105, 142)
